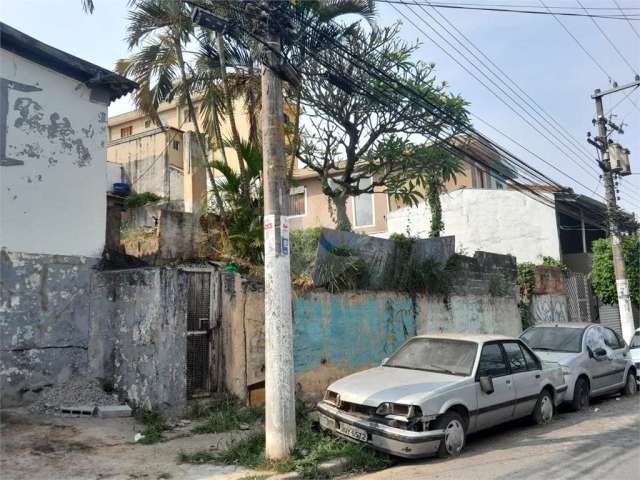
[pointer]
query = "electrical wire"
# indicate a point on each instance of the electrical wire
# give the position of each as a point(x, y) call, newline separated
point(615, 2)
point(613, 45)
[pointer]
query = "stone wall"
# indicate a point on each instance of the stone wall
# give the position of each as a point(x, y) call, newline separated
point(44, 322)
point(138, 335)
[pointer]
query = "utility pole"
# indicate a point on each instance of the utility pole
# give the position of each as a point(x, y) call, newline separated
point(280, 428)
point(602, 143)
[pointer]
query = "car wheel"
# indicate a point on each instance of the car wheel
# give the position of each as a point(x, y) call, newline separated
point(580, 395)
point(543, 413)
point(455, 435)
point(630, 386)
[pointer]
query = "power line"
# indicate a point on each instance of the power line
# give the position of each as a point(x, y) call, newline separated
point(625, 16)
point(602, 69)
point(491, 90)
point(537, 109)
point(613, 45)
point(512, 10)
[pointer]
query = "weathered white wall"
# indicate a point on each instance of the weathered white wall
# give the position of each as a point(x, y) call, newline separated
point(499, 221)
point(114, 174)
point(54, 202)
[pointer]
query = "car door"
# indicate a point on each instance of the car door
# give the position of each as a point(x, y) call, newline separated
point(525, 376)
point(599, 367)
point(618, 360)
point(498, 406)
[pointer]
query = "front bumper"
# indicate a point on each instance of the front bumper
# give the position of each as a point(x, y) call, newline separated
point(395, 441)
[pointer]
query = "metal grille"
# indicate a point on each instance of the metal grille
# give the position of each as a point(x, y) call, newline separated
point(198, 333)
point(581, 299)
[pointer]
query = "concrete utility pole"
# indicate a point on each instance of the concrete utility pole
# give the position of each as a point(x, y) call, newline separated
point(278, 325)
point(279, 377)
point(622, 283)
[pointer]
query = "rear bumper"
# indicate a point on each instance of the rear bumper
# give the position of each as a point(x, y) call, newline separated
point(395, 441)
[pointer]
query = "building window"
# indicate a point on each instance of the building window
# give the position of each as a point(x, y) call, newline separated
point(297, 201)
point(176, 145)
point(147, 123)
point(363, 206)
point(126, 132)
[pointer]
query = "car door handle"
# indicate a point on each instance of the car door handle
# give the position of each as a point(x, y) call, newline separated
point(537, 375)
point(508, 382)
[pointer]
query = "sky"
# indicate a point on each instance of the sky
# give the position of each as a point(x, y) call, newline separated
point(533, 50)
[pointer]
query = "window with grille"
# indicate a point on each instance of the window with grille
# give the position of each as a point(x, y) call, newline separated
point(297, 201)
point(126, 132)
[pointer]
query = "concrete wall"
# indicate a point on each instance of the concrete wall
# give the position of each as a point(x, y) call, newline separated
point(337, 334)
point(138, 335)
point(52, 174)
point(500, 221)
point(44, 322)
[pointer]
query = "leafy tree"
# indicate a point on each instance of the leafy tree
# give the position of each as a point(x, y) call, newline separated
point(602, 273)
point(352, 136)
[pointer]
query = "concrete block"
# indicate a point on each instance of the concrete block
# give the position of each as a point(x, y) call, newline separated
point(86, 410)
point(113, 411)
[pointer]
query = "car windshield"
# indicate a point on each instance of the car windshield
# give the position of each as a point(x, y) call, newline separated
point(556, 339)
point(455, 357)
point(635, 341)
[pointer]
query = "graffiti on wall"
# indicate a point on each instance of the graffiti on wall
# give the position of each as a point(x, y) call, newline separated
point(549, 308)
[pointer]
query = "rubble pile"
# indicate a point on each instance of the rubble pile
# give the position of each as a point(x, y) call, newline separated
point(81, 391)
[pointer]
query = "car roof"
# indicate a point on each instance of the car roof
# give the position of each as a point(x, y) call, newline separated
point(581, 325)
point(469, 337)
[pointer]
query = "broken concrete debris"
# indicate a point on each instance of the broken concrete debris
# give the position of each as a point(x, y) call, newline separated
point(113, 411)
point(79, 396)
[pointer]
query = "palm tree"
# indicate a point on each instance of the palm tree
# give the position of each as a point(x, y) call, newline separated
point(160, 28)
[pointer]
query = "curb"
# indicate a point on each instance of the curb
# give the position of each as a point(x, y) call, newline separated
point(331, 467)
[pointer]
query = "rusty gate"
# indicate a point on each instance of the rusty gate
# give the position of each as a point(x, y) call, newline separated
point(203, 314)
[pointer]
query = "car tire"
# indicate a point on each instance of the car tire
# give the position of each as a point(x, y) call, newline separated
point(455, 434)
point(630, 385)
point(543, 411)
point(580, 395)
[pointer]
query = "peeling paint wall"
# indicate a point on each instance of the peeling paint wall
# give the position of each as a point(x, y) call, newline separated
point(138, 335)
point(52, 167)
point(337, 334)
point(44, 322)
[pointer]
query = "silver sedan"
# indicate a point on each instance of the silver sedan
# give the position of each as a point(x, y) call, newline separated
point(436, 389)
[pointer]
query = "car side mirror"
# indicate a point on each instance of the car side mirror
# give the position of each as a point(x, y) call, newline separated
point(599, 353)
point(384, 360)
point(486, 385)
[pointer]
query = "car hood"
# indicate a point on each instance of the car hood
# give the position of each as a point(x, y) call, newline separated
point(563, 358)
point(388, 384)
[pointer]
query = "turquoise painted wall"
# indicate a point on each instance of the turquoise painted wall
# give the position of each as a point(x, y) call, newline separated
point(351, 330)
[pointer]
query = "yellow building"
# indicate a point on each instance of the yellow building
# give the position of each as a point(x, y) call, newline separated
point(168, 163)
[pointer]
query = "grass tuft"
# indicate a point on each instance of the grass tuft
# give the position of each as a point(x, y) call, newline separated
point(154, 425)
point(225, 416)
point(312, 448)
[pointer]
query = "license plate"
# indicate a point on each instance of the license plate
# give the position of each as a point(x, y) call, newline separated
point(353, 432)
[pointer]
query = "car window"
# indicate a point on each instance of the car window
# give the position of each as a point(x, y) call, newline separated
point(611, 340)
point(635, 341)
point(595, 338)
point(492, 361)
point(556, 339)
point(532, 362)
point(456, 357)
point(515, 357)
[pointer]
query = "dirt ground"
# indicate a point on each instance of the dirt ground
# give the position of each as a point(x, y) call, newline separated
point(62, 448)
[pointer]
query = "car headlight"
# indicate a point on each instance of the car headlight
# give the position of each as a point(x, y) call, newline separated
point(399, 410)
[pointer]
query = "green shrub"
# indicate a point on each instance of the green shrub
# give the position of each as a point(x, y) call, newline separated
point(143, 198)
point(304, 248)
point(602, 273)
point(154, 424)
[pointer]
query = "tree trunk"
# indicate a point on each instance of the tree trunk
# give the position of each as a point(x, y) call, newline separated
point(194, 119)
point(235, 136)
point(433, 198)
point(252, 105)
point(296, 135)
point(217, 133)
point(342, 219)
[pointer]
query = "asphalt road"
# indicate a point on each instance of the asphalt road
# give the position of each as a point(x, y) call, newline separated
point(601, 442)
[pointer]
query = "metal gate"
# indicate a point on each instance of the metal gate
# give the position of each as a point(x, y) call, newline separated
point(202, 322)
point(582, 301)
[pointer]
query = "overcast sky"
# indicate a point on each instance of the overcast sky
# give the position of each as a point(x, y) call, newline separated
point(533, 50)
